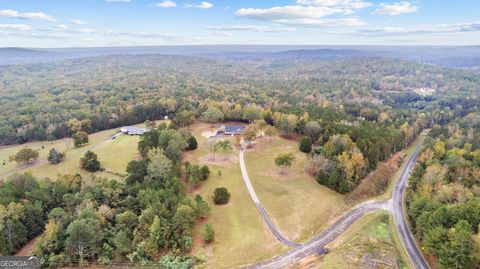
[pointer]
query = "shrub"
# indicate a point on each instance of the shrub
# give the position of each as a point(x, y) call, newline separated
point(192, 143)
point(208, 233)
point(196, 173)
point(55, 156)
point(306, 144)
point(80, 138)
point(221, 196)
point(90, 162)
point(205, 172)
point(25, 156)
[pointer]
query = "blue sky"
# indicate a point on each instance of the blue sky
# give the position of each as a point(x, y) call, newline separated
point(82, 23)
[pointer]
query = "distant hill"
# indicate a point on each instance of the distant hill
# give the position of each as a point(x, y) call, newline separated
point(22, 56)
point(324, 54)
point(454, 56)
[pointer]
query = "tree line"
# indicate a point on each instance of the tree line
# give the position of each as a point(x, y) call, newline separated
point(147, 218)
point(54, 100)
point(444, 194)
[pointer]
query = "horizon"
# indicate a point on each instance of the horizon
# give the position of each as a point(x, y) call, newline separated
point(131, 23)
point(244, 45)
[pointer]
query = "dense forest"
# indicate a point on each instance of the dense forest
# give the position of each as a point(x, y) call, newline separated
point(146, 218)
point(48, 101)
point(444, 199)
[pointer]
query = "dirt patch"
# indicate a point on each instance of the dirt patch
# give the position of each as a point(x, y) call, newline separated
point(219, 160)
point(208, 134)
point(279, 174)
point(29, 246)
point(311, 261)
point(377, 181)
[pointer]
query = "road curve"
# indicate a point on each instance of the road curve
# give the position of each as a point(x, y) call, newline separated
point(399, 217)
point(300, 251)
point(343, 223)
point(326, 237)
point(259, 206)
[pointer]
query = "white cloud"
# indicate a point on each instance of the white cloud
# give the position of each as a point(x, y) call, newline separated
point(299, 15)
point(350, 4)
point(204, 5)
point(16, 27)
point(165, 37)
point(286, 12)
point(166, 4)
point(85, 30)
point(403, 7)
point(308, 22)
point(78, 22)
point(424, 29)
point(310, 13)
point(63, 28)
point(60, 27)
point(10, 13)
point(254, 28)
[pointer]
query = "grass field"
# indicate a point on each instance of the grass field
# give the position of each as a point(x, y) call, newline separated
point(373, 236)
point(241, 237)
point(113, 155)
point(298, 205)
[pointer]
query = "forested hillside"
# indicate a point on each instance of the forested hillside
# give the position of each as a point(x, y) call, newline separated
point(145, 218)
point(444, 201)
point(38, 101)
point(354, 110)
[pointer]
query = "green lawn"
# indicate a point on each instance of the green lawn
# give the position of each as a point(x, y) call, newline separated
point(114, 155)
point(241, 237)
point(297, 204)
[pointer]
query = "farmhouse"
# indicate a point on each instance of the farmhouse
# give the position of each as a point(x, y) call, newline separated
point(133, 130)
point(231, 129)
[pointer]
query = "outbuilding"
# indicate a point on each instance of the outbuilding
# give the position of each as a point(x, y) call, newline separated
point(130, 130)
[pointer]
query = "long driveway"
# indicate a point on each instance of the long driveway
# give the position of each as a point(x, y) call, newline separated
point(399, 215)
point(301, 251)
point(259, 206)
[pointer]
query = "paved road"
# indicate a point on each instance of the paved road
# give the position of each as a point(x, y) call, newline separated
point(319, 242)
point(301, 251)
point(259, 206)
point(399, 217)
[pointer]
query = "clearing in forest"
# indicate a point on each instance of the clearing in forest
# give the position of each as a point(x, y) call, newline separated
point(241, 237)
point(299, 206)
point(113, 154)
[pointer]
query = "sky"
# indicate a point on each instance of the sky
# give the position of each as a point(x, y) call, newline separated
point(97, 23)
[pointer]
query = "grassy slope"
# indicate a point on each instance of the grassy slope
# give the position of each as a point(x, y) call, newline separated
point(114, 155)
point(240, 235)
point(400, 251)
point(298, 205)
point(369, 235)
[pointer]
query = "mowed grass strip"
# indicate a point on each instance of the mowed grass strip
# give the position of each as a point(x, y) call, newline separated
point(299, 206)
point(241, 238)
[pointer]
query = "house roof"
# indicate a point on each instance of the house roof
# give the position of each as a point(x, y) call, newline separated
point(131, 129)
point(234, 128)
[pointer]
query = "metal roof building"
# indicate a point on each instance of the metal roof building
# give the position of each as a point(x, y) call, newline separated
point(130, 130)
